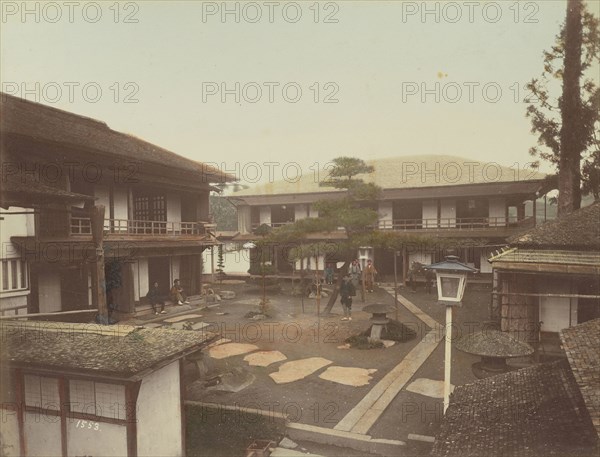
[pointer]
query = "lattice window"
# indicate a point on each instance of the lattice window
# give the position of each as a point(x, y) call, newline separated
point(97, 398)
point(42, 392)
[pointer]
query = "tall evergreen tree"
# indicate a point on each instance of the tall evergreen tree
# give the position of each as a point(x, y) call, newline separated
point(568, 125)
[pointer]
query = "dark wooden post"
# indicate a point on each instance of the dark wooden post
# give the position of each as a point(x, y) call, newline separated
point(99, 281)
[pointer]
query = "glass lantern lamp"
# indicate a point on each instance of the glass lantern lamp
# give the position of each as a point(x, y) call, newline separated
point(451, 278)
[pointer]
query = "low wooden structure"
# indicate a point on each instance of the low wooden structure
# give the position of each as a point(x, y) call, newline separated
point(59, 168)
point(77, 389)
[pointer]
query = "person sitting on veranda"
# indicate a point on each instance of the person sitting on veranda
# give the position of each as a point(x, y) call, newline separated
point(177, 294)
point(155, 299)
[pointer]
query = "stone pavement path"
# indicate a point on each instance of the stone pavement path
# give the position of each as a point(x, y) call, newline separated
point(362, 417)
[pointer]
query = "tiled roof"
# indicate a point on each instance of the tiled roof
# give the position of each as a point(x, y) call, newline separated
point(44, 123)
point(580, 229)
point(582, 345)
point(533, 412)
point(550, 256)
point(16, 192)
point(104, 350)
point(405, 172)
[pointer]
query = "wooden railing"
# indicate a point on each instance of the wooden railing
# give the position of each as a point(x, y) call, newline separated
point(82, 226)
point(471, 223)
point(456, 223)
point(255, 225)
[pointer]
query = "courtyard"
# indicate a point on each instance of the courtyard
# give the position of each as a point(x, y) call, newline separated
point(293, 366)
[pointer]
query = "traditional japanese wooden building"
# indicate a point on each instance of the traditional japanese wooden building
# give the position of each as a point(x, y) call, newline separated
point(548, 279)
point(86, 389)
point(156, 219)
point(478, 204)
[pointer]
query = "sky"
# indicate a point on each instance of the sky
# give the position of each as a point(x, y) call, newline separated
point(235, 83)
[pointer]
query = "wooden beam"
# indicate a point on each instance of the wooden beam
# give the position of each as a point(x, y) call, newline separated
point(99, 284)
point(58, 313)
point(518, 294)
point(131, 396)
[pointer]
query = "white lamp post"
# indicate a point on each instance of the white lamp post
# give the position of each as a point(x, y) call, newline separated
point(451, 278)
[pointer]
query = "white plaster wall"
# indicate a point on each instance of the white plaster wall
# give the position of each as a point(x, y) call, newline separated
point(102, 194)
point(448, 213)
point(385, 210)
point(159, 413)
point(175, 268)
point(13, 302)
point(497, 212)
point(244, 222)
point(10, 433)
point(300, 212)
point(30, 222)
point(14, 225)
point(110, 440)
point(121, 202)
point(142, 269)
point(312, 211)
point(49, 291)
point(173, 207)
point(555, 312)
point(265, 215)
point(136, 281)
point(430, 212)
point(485, 266)
point(236, 261)
point(42, 435)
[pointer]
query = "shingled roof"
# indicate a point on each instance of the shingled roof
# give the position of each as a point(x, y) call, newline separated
point(578, 230)
point(582, 345)
point(44, 123)
point(532, 412)
point(115, 351)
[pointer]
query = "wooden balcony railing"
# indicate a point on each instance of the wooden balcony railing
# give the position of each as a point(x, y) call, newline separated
point(82, 226)
point(255, 225)
point(455, 223)
point(471, 223)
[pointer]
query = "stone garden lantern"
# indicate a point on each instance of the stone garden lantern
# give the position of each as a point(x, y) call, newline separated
point(494, 347)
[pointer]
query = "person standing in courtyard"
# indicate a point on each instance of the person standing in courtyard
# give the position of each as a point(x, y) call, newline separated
point(347, 291)
point(429, 279)
point(329, 273)
point(156, 299)
point(355, 273)
point(369, 274)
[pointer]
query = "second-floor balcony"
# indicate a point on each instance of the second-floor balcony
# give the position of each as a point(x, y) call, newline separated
point(141, 228)
point(450, 224)
point(456, 223)
point(255, 225)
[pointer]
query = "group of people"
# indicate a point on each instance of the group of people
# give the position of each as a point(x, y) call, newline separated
point(351, 282)
point(156, 299)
